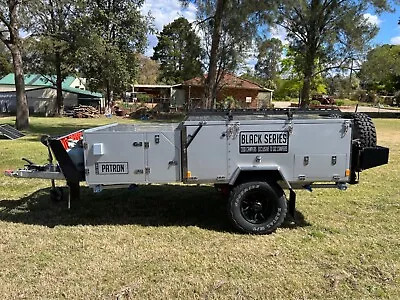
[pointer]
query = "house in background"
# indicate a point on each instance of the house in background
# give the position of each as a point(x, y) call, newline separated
point(162, 95)
point(190, 93)
point(41, 94)
point(249, 94)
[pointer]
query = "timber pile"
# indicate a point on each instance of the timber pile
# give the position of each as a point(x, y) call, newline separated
point(85, 111)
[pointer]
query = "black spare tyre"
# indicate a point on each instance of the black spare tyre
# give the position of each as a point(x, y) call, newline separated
point(364, 130)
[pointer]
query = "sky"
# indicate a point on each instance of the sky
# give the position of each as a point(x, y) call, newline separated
point(165, 11)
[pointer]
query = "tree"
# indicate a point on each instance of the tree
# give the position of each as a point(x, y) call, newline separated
point(381, 70)
point(341, 85)
point(10, 20)
point(112, 34)
point(230, 27)
point(52, 45)
point(268, 58)
point(178, 52)
point(287, 89)
point(148, 70)
point(326, 34)
point(5, 61)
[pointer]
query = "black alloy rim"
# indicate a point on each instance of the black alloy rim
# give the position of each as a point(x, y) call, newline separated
point(256, 208)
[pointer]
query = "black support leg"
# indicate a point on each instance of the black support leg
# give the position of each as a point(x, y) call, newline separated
point(292, 203)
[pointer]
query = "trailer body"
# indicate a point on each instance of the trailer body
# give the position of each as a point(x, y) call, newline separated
point(202, 150)
point(252, 157)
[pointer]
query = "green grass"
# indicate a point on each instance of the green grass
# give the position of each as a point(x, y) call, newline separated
point(174, 242)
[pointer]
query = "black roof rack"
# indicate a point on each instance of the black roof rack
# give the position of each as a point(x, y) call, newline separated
point(266, 111)
point(289, 112)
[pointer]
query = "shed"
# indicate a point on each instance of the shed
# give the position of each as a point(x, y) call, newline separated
point(43, 99)
point(41, 93)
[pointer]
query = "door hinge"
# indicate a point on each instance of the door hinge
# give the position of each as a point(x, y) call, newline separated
point(147, 170)
point(86, 171)
point(346, 126)
point(146, 144)
point(232, 130)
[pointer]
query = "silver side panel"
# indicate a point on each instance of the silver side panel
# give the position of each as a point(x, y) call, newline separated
point(127, 154)
point(304, 150)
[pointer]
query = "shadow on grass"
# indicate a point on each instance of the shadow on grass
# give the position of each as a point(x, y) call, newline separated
point(164, 205)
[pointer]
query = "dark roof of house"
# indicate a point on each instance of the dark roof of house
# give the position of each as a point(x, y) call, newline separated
point(229, 81)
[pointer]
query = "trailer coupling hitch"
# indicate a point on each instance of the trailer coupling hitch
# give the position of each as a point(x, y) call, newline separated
point(32, 166)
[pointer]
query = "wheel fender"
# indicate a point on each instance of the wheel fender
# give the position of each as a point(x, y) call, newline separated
point(271, 171)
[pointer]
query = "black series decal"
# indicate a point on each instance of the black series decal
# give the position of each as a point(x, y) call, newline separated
point(264, 142)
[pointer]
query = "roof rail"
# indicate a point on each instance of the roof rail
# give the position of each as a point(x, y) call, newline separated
point(267, 111)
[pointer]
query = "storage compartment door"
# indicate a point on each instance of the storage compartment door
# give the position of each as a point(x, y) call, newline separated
point(163, 157)
point(114, 158)
point(207, 154)
point(320, 167)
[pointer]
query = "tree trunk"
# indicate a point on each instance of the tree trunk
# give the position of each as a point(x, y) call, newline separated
point(108, 93)
point(14, 45)
point(311, 53)
point(212, 68)
point(305, 91)
point(59, 79)
point(22, 120)
point(308, 72)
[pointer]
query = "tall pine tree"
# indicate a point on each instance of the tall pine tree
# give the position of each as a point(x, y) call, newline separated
point(268, 58)
point(178, 51)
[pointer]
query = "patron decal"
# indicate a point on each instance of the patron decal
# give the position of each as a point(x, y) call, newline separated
point(109, 168)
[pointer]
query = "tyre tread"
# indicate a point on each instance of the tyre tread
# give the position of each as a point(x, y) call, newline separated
point(364, 130)
point(279, 194)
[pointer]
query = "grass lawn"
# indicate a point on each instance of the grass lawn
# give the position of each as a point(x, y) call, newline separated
point(174, 242)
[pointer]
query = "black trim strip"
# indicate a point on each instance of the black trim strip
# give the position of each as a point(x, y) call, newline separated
point(191, 137)
point(68, 168)
point(184, 162)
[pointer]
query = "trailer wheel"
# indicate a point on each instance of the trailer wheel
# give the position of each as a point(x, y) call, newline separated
point(257, 207)
point(364, 130)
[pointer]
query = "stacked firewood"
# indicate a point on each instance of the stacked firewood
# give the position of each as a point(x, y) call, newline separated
point(85, 111)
